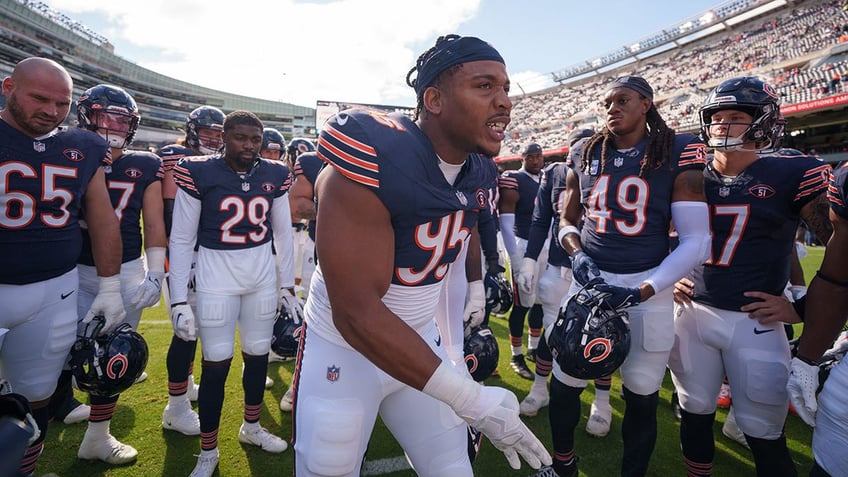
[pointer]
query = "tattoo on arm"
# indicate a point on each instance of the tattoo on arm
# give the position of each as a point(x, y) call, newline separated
point(816, 216)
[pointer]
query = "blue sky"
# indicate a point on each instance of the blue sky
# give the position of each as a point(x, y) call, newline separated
point(360, 50)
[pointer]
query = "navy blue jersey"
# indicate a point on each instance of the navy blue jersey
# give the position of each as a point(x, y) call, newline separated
point(836, 190)
point(127, 179)
point(753, 218)
point(171, 155)
point(527, 188)
point(546, 216)
point(488, 226)
point(309, 165)
point(234, 210)
point(43, 182)
point(626, 216)
point(391, 156)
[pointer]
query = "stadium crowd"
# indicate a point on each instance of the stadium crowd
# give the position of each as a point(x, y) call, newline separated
point(238, 209)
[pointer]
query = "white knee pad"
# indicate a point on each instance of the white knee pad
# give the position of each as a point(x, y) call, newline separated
point(762, 400)
point(256, 324)
point(216, 321)
point(333, 442)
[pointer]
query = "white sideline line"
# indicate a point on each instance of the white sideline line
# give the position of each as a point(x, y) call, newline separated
point(384, 466)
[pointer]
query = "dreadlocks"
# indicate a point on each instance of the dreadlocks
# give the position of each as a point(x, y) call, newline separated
point(660, 144)
point(412, 82)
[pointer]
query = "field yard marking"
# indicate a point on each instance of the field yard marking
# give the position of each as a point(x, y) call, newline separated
point(385, 466)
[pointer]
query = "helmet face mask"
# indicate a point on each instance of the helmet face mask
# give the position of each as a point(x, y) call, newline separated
point(753, 97)
point(204, 130)
point(590, 339)
point(107, 365)
point(288, 329)
point(499, 295)
point(110, 112)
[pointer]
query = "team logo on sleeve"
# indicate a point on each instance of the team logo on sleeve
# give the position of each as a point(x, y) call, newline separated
point(762, 191)
point(267, 187)
point(333, 373)
point(481, 198)
point(133, 172)
point(73, 154)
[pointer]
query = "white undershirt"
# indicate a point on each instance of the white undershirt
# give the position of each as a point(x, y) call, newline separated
point(451, 171)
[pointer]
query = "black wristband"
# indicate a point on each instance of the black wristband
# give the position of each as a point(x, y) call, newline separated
point(831, 280)
point(179, 303)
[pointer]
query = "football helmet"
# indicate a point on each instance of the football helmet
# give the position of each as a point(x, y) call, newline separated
point(288, 329)
point(298, 146)
point(754, 97)
point(108, 365)
point(499, 295)
point(112, 100)
point(204, 117)
point(481, 353)
point(272, 140)
point(589, 339)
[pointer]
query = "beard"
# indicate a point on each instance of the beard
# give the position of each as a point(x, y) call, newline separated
point(26, 123)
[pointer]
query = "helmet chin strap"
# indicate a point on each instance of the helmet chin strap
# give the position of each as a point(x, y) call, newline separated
point(115, 141)
point(206, 150)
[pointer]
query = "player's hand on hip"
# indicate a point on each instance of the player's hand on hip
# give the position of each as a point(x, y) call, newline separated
point(182, 318)
point(108, 303)
point(475, 305)
point(770, 308)
point(526, 274)
point(582, 266)
point(619, 297)
point(149, 290)
point(495, 414)
point(288, 300)
point(802, 385)
point(683, 291)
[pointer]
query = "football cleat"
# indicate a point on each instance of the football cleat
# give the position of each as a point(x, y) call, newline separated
point(287, 402)
point(518, 365)
point(599, 422)
point(142, 378)
point(78, 414)
point(106, 448)
point(193, 389)
point(258, 436)
point(268, 382)
point(181, 419)
point(675, 406)
point(534, 401)
point(207, 461)
point(531, 355)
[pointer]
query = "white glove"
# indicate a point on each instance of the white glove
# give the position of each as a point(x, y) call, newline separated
point(291, 303)
point(108, 304)
point(802, 385)
point(184, 323)
point(149, 291)
point(526, 274)
point(491, 410)
point(475, 305)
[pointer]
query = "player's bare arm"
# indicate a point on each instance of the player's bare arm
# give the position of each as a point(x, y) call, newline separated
point(572, 212)
point(474, 259)
point(301, 199)
point(355, 241)
point(153, 218)
point(689, 185)
point(816, 215)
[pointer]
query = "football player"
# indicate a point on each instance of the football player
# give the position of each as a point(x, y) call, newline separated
point(134, 180)
point(825, 313)
point(232, 205)
point(203, 136)
point(756, 201)
point(402, 197)
point(517, 191)
point(273, 145)
point(49, 174)
point(635, 176)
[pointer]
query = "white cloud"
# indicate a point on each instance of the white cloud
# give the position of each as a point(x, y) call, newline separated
point(348, 50)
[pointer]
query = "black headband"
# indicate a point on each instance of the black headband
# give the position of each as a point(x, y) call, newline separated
point(450, 53)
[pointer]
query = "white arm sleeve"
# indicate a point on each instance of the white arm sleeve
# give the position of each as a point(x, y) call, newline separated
point(692, 221)
point(183, 238)
point(283, 240)
point(507, 222)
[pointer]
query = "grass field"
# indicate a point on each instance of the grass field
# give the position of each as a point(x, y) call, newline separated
point(137, 422)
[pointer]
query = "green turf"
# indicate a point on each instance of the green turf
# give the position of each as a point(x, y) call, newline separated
point(165, 453)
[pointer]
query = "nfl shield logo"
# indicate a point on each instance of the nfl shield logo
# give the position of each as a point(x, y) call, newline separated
point(333, 373)
point(618, 162)
point(724, 191)
point(107, 169)
point(245, 186)
point(593, 168)
point(462, 199)
point(38, 146)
